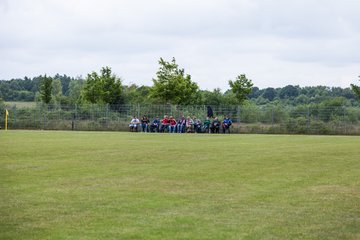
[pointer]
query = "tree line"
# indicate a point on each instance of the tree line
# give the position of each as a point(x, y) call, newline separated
point(171, 85)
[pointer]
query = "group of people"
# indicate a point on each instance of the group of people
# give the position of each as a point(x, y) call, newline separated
point(182, 125)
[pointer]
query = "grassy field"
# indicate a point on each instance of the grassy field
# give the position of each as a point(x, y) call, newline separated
point(109, 185)
point(21, 105)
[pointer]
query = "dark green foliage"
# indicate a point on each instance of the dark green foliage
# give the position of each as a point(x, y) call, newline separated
point(255, 92)
point(67, 90)
point(289, 91)
point(46, 89)
point(356, 89)
point(17, 90)
point(269, 94)
point(214, 97)
point(136, 94)
point(2, 108)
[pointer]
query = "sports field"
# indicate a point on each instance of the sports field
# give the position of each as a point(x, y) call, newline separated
point(110, 185)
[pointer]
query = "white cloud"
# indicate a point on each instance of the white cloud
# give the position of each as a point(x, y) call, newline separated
point(275, 43)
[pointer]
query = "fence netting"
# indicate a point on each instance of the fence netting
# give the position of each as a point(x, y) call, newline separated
point(246, 119)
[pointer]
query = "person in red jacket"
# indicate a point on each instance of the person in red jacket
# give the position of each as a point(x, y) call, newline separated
point(173, 124)
point(165, 122)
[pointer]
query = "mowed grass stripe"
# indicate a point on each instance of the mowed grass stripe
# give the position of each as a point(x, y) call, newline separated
point(109, 185)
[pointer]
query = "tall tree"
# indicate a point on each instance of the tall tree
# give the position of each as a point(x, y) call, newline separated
point(214, 97)
point(46, 89)
point(2, 106)
point(289, 91)
point(136, 94)
point(173, 86)
point(103, 88)
point(75, 88)
point(241, 87)
point(356, 89)
point(57, 89)
point(269, 93)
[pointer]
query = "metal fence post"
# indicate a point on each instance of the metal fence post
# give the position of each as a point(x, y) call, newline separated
point(106, 115)
point(34, 117)
point(343, 120)
point(44, 121)
point(308, 119)
point(138, 110)
point(15, 111)
point(73, 120)
point(238, 117)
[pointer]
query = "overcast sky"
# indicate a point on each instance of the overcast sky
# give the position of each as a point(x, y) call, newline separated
point(274, 42)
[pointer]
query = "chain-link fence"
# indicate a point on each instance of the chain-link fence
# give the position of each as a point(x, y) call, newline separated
point(246, 119)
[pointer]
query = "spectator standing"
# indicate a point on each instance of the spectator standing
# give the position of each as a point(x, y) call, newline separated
point(210, 113)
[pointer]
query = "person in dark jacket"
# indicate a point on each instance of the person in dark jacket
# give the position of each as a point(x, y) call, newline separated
point(181, 125)
point(215, 125)
point(145, 123)
point(210, 113)
point(155, 125)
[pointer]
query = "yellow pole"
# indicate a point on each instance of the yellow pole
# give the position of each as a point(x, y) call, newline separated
point(6, 119)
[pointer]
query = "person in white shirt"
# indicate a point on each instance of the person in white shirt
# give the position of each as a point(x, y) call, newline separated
point(134, 123)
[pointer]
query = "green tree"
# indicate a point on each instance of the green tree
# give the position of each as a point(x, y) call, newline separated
point(65, 83)
point(289, 91)
point(57, 89)
point(241, 87)
point(356, 89)
point(2, 106)
point(214, 97)
point(173, 86)
point(75, 88)
point(46, 89)
point(229, 98)
point(269, 93)
point(103, 88)
point(255, 93)
point(136, 94)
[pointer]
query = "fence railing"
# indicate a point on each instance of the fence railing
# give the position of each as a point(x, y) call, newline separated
point(246, 119)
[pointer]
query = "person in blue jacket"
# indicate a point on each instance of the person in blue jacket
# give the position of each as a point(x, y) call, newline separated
point(226, 124)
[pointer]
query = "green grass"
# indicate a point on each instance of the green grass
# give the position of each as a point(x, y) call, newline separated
point(21, 105)
point(109, 185)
